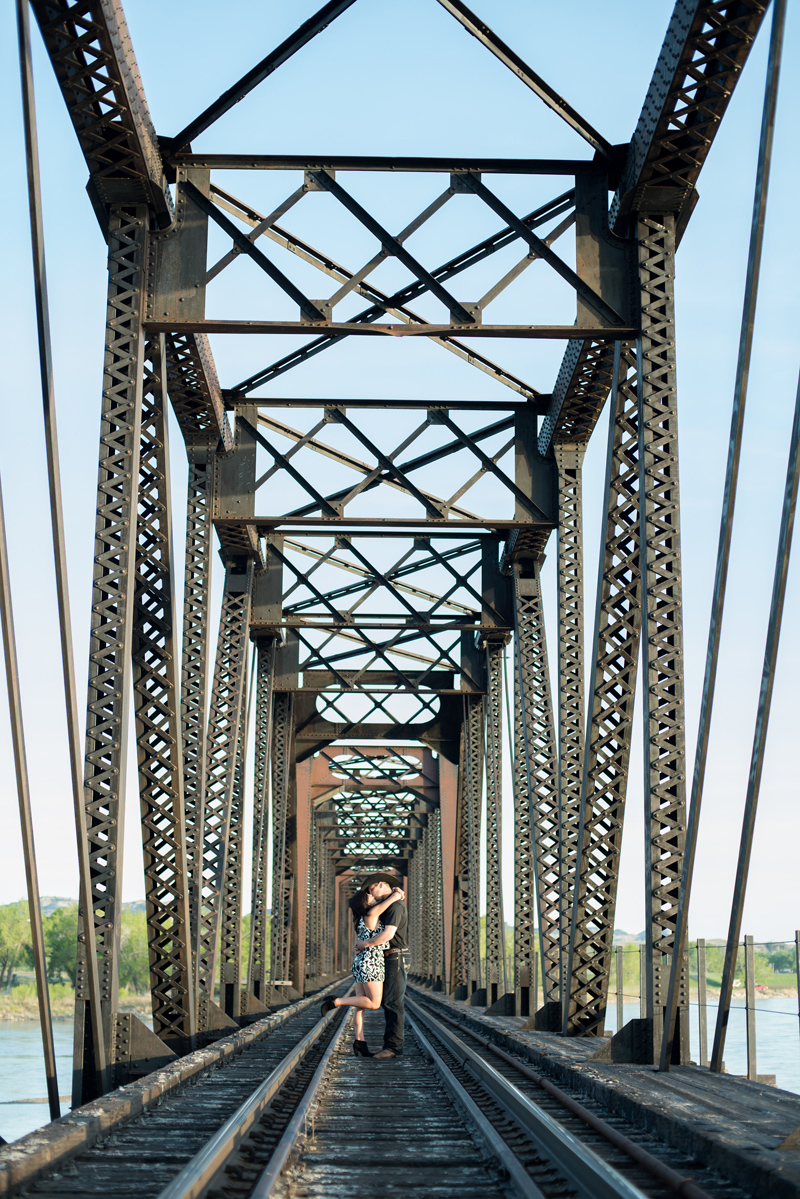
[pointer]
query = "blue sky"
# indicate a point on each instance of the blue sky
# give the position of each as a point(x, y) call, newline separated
point(393, 79)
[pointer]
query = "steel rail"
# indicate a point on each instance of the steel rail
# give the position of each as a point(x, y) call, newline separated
point(197, 1174)
point(586, 1171)
point(486, 1133)
point(661, 1172)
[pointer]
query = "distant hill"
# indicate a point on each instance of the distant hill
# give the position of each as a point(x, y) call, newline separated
point(51, 903)
point(623, 938)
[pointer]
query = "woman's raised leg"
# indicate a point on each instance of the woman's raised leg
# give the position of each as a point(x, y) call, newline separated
point(359, 1017)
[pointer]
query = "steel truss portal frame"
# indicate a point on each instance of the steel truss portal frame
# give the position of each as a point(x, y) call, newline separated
point(379, 606)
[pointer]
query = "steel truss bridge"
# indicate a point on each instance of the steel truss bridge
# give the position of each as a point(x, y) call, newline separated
point(382, 612)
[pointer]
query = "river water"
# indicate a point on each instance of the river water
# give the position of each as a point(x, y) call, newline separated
point(22, 1073)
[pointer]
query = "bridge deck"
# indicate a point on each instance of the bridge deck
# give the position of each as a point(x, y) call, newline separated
point(730, 1124)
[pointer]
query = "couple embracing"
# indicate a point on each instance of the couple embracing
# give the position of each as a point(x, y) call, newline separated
point(380, 964)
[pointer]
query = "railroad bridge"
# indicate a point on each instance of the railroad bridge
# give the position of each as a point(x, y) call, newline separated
point(380, 650)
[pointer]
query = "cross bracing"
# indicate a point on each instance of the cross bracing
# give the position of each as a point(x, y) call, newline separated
point(382, 557)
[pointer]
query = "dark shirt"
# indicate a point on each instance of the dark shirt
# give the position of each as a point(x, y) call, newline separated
point(397, 914)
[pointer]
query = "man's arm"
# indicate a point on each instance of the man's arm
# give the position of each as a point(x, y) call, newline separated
point(381, 939)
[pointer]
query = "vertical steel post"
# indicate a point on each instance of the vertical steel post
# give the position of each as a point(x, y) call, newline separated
point(728, 505)
point(231, 900)
point(227, 698)
point(109, 690)
point(615, 654)
point(496, 975)
point(259, 927)
point(702, 1000)
point(760, 734)
point(282, 880)
point(750, 1003)
point(154, 651)
point(474, 772)
point(525, 951)
point(437, 949)
point(642, 983)
point(797, 967)
point(571, 701)
point(194, 660)
point(620, 988)
point(538, 753)
point(466, 967)
point(662, 629)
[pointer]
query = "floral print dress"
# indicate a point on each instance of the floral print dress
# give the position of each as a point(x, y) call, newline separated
point(368, 966)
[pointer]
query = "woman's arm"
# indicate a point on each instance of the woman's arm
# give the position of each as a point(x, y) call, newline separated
point(377, 909)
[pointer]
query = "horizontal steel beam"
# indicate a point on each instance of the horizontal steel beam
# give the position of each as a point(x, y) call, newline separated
point(345, 329)
point(539, 406)
point(391, 163)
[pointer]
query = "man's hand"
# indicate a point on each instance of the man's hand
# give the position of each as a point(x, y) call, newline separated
point(359, 945)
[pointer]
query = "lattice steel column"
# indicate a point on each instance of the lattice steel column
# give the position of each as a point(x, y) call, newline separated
point(524, 867)
point(660, 547)
point(496, 981)
point(436, 901)
point(259, 927)
point(227, 697)
point(466, 969)
point(616, 654)
point(194, 661)
point(416, 940)
point(112, 624)
point(158, 729)
point(282, 880)
point(538, 745)
point(571, 700)
point(231, 918)
point(425, 901)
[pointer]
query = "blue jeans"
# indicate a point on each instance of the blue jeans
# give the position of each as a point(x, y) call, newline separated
point(393, 1003)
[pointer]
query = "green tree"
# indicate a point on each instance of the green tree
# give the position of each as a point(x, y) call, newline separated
point(134, 960)
point(61, 942)
point(15, 936)
point(783, 961)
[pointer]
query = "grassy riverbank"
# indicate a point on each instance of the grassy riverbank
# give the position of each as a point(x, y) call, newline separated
point(21, 1003)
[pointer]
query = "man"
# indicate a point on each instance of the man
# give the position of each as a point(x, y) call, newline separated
point(395, 934)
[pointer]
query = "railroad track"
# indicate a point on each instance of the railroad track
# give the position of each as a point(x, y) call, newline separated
point(298, 1117)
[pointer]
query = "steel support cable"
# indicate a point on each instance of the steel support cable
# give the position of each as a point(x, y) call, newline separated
point(760, 736)
point(726, 520)
point(64, 618)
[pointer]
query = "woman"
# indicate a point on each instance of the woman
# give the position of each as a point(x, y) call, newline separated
point(368, 966)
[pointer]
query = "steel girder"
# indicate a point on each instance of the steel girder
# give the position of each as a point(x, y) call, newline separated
point(282, 872)
point(92, 56)
point(112, 620)
point(660, 550)
point(465, 969)
point(571, 702)
point(704, 51)
point(524, 864)
point(194, 660)
point(258, 964)
point(496, 981)
point(605, 771)
point(225, 715)
point(158, 733)
point(231, 899)
point(538, 806)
